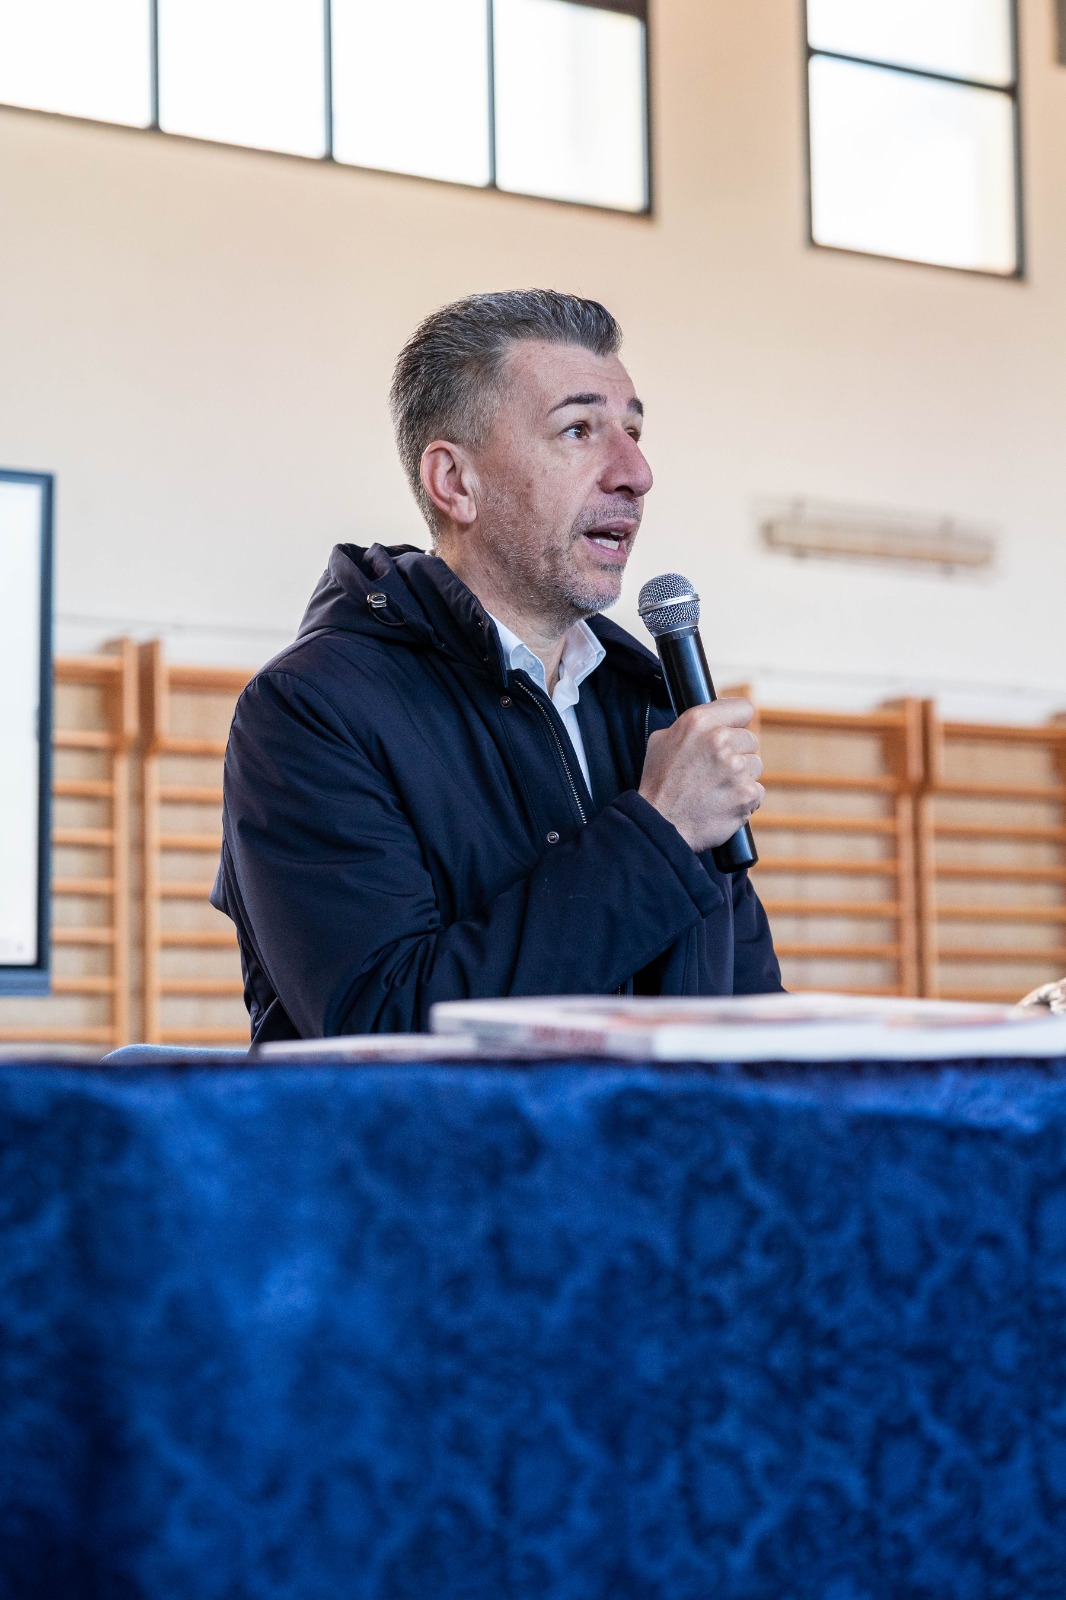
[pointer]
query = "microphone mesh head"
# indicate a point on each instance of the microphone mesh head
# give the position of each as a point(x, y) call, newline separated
point(667, 604)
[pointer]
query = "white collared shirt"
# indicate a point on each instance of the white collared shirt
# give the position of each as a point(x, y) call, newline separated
point(582, 654)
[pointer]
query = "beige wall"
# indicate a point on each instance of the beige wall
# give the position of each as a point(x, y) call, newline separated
point(198, 341)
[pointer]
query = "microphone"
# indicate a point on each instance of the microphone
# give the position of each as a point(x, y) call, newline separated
point(669, 608)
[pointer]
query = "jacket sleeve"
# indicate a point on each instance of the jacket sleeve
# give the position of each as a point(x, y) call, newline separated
point(335, 894)
point(755, 965)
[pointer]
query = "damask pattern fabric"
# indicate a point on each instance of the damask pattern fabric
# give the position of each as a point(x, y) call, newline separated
point(552, 1332)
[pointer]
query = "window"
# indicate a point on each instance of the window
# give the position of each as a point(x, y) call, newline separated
point(425, 110)
point(570, 101)
point(914, 131)
point(538, 97)
point(84, 60)
point(244, 72)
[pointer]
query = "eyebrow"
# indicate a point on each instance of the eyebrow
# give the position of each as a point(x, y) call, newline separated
point(596, 400)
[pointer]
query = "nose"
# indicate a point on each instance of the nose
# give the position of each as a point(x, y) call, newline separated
point(626, 470)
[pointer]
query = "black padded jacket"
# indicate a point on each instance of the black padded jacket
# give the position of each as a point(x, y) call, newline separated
point(405, 822)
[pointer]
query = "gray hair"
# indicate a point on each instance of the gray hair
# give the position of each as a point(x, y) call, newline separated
point(449, 375)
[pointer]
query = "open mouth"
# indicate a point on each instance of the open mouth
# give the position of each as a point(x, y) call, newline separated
point(611, 543)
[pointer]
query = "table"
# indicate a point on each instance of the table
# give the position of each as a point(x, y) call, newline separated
point(545, 1331)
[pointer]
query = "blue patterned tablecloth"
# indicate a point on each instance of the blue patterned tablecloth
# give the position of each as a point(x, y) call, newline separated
point(552, 1332)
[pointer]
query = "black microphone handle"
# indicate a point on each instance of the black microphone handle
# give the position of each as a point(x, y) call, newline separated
point(688, 679)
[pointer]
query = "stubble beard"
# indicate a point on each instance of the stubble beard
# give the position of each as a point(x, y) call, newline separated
point(542, 582)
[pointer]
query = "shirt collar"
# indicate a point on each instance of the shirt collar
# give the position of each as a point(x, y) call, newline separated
point(582, 654)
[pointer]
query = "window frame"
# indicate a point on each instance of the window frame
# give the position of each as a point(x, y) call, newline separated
point(1011, 90)
point(640, 9)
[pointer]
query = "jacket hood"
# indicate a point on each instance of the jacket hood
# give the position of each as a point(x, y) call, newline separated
point(406, 596)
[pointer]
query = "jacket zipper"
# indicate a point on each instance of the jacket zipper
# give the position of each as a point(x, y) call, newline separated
point(623, 988)
point(546, 714)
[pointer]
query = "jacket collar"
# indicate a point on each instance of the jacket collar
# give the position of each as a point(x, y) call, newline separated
point(405, 595)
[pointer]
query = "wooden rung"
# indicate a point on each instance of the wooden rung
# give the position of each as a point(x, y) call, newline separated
point(87, 669)
point(843, 952)
point(1005, 733)
point(206, 1036)
point(191, 939)
point(83, 936)
point(218, 680)
point(830, 780)
point(792, 823)
point(98, 838)
point(829, 865)
point(833, 721)
point(872, 989)
point(1002, 913)
point(994, 997)
point(83, 789)
point(94, 985)
point(1019, 874)
point(173, 745)
point(995, 830)
point(83, 739)
point(191, 794)
point(202, 986)
point(1054, 794)
point(81, 1035)
point(176, 890)
point(884, 909)
point(976, 952)
point(100, 887)
point(191, 841)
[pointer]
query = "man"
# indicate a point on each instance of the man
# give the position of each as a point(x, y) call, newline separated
point(460, 780)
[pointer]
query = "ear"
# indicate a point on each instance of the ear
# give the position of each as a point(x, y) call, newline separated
point(449, 479)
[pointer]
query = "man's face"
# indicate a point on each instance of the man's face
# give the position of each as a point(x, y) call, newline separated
point(561, 482)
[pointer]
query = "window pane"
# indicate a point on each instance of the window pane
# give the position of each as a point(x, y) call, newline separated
point(84, 60)
point(912, 167)
point(244, 72)
point(965, 38)
point(411, 87)
point(570, 121)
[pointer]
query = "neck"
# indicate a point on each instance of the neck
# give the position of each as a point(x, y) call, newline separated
point(544, 636)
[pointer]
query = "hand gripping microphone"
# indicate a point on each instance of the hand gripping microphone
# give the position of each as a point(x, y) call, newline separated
point(670, 610)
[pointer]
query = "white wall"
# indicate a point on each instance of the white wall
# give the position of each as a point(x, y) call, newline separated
point(198, 341)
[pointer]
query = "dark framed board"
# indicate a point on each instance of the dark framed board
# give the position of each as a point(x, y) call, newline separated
point(26, 511)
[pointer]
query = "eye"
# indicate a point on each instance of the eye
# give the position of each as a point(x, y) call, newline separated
point(576, 430)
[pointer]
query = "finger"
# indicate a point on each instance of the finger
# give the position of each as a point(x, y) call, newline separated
point(734, 746)
point(741, 741)
point(735, 711)
point(749, 798)
point(731, 713)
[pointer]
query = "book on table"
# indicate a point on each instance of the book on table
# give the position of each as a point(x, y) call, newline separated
point(772, 1027)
